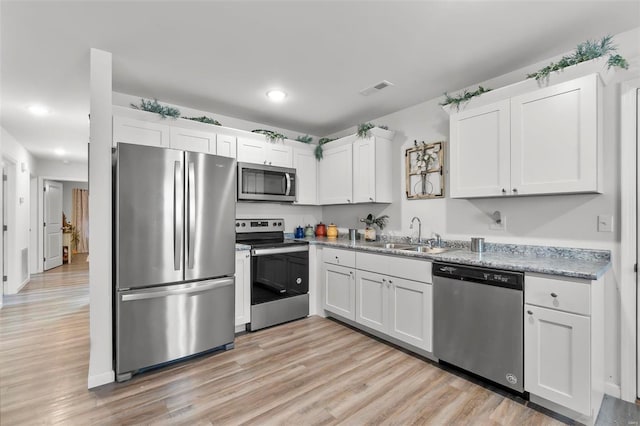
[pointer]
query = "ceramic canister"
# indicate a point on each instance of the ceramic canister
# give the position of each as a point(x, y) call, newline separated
point(321, 230)
point(332, 231)
point(308, 231)
point(299, 233)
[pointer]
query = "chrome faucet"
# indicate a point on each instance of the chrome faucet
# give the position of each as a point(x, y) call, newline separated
point(438, 239)
point(419, 227)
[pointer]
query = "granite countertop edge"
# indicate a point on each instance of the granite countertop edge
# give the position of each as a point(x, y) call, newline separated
point(242, 247)
point(588, 269)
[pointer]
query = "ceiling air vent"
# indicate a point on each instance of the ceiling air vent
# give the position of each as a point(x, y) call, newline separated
point(375, 88)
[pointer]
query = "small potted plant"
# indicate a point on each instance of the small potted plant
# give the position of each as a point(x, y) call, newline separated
point(371, 221)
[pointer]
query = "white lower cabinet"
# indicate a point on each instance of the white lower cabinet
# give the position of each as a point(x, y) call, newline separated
point(372, 300)
point(339, 290)
point(564, 344)
point(557, 357)
point(411, 312)
point(243, 288)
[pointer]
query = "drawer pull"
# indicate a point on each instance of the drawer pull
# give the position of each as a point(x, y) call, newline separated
point(554, 295)
point(530, 312)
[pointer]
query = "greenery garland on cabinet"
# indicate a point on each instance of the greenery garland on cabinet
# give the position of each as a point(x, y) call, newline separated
point(305, 139)
point(585, 51)
point(163, 110)
point(463, 97)
point(272, 136)
point(319, 149)
point(363, 129)
point(204, 119)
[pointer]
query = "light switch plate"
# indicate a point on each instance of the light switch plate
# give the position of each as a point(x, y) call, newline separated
point(605, 223)
point(502, 226)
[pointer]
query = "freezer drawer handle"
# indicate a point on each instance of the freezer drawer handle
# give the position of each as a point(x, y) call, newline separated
point(267, 252)
point(188, 290)
point(177, 216)
point(192, 215)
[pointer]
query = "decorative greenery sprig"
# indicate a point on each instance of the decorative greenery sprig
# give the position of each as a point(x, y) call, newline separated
point(424, 159)
point(464, 97)
point(318, 151)
point(380, 221)
point(271, 135)
point(163, 110)
point(590, 49)
point(304, 139)
point(363, 129)
point(204, 119)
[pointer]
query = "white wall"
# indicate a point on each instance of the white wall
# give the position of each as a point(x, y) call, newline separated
point(20, 164)
point(61, 170)
point(563, 220)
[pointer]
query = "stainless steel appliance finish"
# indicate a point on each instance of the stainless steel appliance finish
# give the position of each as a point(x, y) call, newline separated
point(478, 322)
point(174, 253)
point(279, 273)
point(257, 182)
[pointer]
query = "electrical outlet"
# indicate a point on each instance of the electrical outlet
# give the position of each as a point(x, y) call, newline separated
point(502, 226)
point(605, 223)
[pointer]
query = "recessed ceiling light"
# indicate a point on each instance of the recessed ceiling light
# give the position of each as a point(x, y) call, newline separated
point(39, 110)
point(276, 95)
point(59, 151)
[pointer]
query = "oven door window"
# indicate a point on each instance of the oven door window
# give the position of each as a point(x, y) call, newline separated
point(263, 182)
point(279, 276)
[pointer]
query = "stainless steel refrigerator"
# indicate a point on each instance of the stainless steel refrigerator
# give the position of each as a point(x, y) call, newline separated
point(174, 255)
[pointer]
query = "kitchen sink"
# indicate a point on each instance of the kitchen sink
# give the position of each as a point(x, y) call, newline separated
point(426, 249)
point(393, 246)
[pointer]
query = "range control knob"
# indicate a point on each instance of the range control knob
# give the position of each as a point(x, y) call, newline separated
point(279, 223)
point(237, 224)
point(274, 224)
point(243, 224)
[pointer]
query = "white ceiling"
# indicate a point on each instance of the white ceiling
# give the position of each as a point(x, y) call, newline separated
point(223, 56)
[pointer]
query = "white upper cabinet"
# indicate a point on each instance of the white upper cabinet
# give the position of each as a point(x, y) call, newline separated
point(258, 151)
point(335, 184)
point(546, 141)
point(226, 145)
point(554, 139)
point(357, 170)
point(193, 140)
point(140, 132)
point(306, 165)
point(480, 151)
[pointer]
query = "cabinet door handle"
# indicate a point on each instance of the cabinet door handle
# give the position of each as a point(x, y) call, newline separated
point(554, 295)
point(515, 190)
point(530, 312)
point(269, 162)
point(370, 199)
point(390, 282)
point(265, 161)
point(504, 191)
point(348, 200)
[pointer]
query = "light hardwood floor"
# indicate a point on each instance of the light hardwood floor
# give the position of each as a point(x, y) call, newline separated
point(313, 371)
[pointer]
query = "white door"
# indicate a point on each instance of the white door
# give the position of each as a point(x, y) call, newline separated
point(336, 180)
point(480, 151)
point(638, 229)
point(3, 247)
point(554, 139)
point(372, 300)
point(226, 145)
point(279, 155)
point(556, 357)
point(306, 165)
point(411, 312)
point(193, 140)
point(52, 224)
point(339, 290)
point(364, 171)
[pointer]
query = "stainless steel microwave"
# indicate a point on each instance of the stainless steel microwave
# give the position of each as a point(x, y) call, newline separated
point(257, 182)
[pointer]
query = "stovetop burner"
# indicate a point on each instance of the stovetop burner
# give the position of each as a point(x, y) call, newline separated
point(263, 233)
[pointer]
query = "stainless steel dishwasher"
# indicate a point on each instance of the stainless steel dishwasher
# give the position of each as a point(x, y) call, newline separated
point(478, 321)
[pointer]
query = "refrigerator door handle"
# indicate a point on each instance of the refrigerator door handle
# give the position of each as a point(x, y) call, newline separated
point(191, 206)
point(287, 176)
point(199, 288)
point(177, 215)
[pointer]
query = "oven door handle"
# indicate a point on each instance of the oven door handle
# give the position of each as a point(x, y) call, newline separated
point(279, 250)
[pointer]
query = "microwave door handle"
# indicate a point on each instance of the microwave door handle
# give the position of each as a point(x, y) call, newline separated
point(287, 177)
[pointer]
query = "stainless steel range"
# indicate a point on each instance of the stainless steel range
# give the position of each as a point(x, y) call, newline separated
point(279, 272)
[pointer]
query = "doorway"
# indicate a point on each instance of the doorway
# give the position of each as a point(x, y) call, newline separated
point(52, 203)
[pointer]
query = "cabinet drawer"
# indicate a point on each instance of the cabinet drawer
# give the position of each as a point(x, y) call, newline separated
point(570, 295)
point(411, 269)
point(373, 262)
point(339, 257)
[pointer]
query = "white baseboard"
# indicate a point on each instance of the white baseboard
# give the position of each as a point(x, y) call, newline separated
point(101, 379)
point(612, 389)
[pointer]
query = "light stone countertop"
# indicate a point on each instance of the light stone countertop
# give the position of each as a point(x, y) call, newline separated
point(242, 247)
point(568, 262)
